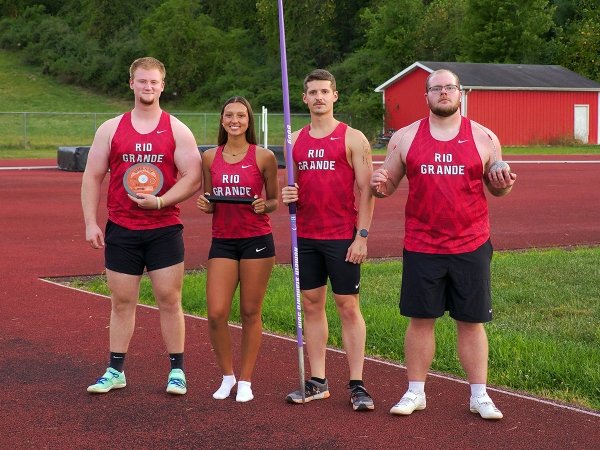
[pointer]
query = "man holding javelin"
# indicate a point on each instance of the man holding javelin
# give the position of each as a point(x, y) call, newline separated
point(329, 157)
point(154, 164)
point(447, 159)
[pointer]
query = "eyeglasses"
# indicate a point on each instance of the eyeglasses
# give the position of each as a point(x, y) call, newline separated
point(450, 88)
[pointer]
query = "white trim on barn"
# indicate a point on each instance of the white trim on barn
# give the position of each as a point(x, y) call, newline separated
point(381, 87)
point(464, 102)
point(524, 84)
point(553, 89)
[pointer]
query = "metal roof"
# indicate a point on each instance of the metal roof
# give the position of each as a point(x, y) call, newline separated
point(505, 76)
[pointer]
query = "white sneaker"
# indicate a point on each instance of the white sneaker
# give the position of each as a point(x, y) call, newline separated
point(485, 407)
point(409, 402)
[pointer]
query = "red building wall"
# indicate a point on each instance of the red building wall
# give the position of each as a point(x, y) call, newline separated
point(517, 117)
point(405, 100)
point(532, 117)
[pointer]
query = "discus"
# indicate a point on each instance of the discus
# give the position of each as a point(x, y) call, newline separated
point(143, 178)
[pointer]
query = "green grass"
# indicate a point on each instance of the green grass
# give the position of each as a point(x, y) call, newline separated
point(552, 150)
point(25, 88)
point(544, 339)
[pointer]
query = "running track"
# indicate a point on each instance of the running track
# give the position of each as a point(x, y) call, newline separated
point(53, 340)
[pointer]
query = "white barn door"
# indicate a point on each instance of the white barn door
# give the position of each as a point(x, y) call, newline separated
point(582, 123)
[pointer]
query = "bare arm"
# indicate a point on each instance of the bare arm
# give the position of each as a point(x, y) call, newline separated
point(202, 203)
point(361, 159)
point(498, 181)
point(386, 179)
point(95, 170)
point(188, 162)
point(267, 164)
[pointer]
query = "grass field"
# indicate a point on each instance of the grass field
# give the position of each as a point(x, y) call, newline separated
point(544, 339)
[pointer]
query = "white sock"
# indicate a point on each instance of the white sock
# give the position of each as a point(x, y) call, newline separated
point(226, 385)
point(418, 387)
point(244, 392)
point(478, 390)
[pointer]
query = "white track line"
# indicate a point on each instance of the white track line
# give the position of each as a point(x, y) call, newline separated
point(377, 361)
point(28, 167)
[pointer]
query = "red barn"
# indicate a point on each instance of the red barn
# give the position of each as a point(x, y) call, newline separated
point(524, 104)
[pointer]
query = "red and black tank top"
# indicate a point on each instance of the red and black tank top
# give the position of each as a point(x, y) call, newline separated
point(128, 147)
point(326, 202)
point(241, 179)
point(446, 210)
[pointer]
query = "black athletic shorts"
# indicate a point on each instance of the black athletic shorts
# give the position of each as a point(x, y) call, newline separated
point(129, 251)
point(319, 259)
point(460, 284)
point(256, 247)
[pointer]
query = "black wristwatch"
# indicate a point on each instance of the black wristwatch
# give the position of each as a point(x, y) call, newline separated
point(363, 233)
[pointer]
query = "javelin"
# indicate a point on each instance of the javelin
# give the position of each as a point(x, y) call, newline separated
point(292, 206)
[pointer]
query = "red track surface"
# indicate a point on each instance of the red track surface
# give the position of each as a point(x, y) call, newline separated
point(54, 340)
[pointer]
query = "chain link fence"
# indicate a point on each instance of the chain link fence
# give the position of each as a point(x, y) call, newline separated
point(44, 130)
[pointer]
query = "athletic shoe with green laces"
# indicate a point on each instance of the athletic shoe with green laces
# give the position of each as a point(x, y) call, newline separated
point(112, 379)
point(360, 399)
point(176, 384)
point(313, 390)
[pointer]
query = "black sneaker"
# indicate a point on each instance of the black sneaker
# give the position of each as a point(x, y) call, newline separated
point(361, 400)
point(313, 390)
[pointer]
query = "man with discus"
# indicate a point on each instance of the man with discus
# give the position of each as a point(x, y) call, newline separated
point(447, 253)
point(154, 164)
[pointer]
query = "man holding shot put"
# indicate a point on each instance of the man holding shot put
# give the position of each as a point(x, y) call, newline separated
point(447, 159)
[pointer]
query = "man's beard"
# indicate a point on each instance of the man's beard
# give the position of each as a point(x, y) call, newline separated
point(444, 110)
point(150, 102)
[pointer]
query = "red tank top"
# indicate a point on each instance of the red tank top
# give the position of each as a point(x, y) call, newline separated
point(128, 147)
point(446, 210)
point(326, 203)
point(242, 179)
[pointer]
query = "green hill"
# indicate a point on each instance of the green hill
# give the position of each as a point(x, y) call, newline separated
point(28, 96)
point(25, 88)
point(39, 113)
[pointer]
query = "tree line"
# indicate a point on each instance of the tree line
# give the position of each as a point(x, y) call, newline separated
point(214, 49)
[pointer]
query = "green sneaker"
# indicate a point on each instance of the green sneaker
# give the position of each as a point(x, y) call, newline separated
point(176, 384)
point(112, 379)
